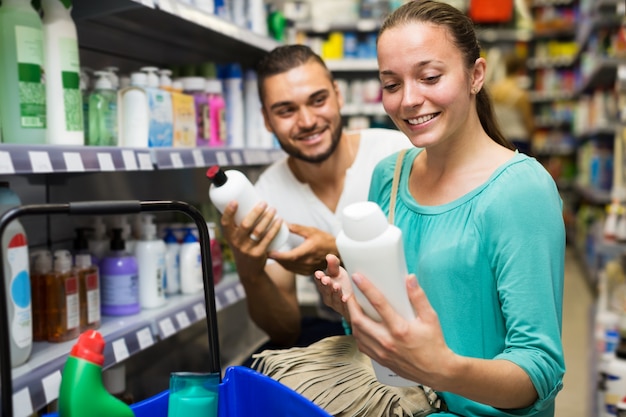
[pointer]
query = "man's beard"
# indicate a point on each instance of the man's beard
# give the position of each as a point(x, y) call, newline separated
point(321, 157)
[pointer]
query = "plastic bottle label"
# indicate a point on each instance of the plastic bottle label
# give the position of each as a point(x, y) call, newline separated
point(29, 46)
point(93, 298)
point(120, 290)
point(72, 302)
point(17, 258)
point(70, 77)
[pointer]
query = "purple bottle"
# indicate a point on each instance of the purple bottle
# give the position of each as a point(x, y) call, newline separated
point(196, 86)
point(119, 280)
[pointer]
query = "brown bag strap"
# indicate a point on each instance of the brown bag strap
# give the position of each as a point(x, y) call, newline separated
point(394, 185)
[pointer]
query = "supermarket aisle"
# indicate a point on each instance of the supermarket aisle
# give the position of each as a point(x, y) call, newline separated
point(574, 399)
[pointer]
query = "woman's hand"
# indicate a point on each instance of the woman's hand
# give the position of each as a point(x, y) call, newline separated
point(334, 286)
point(415, 349)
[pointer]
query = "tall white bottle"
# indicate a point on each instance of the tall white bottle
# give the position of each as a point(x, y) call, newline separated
point(134, 113)
point(150, 254)
point(190, 264)
point(371, 246)
point(16, 281)
point(230, 185)
point(172, 263)
point(64, 102)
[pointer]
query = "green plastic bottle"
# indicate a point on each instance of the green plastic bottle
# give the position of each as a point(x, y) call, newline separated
point(102, 112)
point(82, 392)
point(23, 92)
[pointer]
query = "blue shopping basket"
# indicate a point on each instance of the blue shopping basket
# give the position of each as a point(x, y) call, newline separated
point(242, 392)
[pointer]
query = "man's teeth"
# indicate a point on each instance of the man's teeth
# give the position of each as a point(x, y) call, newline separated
point(422, 119)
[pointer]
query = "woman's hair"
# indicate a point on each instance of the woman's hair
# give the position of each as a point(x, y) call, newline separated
point(461, 28)
point(284, 58)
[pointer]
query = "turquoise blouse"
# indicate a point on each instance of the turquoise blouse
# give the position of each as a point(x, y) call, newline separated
point(492, 266)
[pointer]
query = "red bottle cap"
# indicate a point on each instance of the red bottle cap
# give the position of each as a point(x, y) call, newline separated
point(89, 346)
point(216, 175)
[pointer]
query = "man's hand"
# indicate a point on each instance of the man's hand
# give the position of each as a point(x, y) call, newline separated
point(310, 256)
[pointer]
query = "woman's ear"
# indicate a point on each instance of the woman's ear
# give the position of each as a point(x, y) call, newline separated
point(479, 73)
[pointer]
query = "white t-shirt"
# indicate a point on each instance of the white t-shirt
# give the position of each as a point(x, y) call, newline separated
point(296, 203)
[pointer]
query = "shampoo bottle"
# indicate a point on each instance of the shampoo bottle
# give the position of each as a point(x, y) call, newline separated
point(216, 253)
point(22, 116)
point(17, 281)
point(196, 87)
point(230, 185)
point(119, 281)
point(172, 263)
point(89, 283)
point(371, 246)
point(102, 112)
point(40, 267)
point(150, 253)
point(190, 264)
point(82, 392)
point(160, 105)
point(134, 113)
point(63, 300)
point(64, 102)
point(217, 113)
point(232, 78)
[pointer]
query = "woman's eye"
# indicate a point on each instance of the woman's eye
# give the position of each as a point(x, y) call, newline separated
point(390, 87)
point(433, 79)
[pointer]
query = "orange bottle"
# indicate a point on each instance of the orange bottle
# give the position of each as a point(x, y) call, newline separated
point(62, 301)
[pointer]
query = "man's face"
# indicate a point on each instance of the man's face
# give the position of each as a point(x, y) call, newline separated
point(302, 107)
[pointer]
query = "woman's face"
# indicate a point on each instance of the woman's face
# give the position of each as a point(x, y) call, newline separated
point(426, 87)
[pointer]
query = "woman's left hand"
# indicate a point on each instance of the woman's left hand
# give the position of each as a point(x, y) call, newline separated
point(414, 349)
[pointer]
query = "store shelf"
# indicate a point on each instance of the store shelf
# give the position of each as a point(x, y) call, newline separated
point(36, 383)
point(162, 33)
point(602, 75)
point(47, 159)
point(362, 25)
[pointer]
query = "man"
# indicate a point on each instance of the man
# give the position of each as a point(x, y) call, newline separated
point(325, 170)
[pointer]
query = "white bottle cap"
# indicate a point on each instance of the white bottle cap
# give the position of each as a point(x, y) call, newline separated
point(194, 84)
point(153, 78)
point(177, 86)
point(213, 86)
point(165, 79)
point(363, 221)
point(103, 82)
point(62, 260)
point(41, 261)
point(139, 79)
point(112, 71)
point(148, 228)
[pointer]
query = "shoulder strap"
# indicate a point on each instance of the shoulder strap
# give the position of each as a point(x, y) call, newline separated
point(394, 185)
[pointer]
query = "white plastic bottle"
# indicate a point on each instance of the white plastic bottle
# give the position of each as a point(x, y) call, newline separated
point(150, 254)
point(172, 263)
point(99, 243)
point(134, 113)
point(17, 281)
point(190, 265)
point(371, 246)
point(232, 77)
point(160, 105)
point(230, 185)
point(64, 102)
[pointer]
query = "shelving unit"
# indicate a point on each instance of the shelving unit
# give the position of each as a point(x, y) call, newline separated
point(129, 34)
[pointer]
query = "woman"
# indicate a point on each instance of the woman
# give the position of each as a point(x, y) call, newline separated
point(482, 227)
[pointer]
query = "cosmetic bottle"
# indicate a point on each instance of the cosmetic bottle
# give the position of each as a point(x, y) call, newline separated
point(230, 185)
point(172, 263)
point(150, 253)
point(17, 281)
point(40, 268)
point(369, 245)
point(119, 281)
point(63, 299)
point(190, 264)
point(89, 282)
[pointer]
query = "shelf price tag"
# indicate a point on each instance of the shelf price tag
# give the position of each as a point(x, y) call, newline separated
point(183, 320)
point(120, 350)
point(200, 311)
point(177, 161)
point(22, 405)
point(198, 158)
point(130, 162)
point(231, 296)
point(236, 158)
point(73, 162)
point(221, 157)
point(105, 160)
point(167, 327)
point(51, 385)
point(145, 162)
point(40, 161)
point(6, 163)
point(144, 338)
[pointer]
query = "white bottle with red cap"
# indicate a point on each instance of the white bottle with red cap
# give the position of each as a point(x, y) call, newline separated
point(230, 185)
